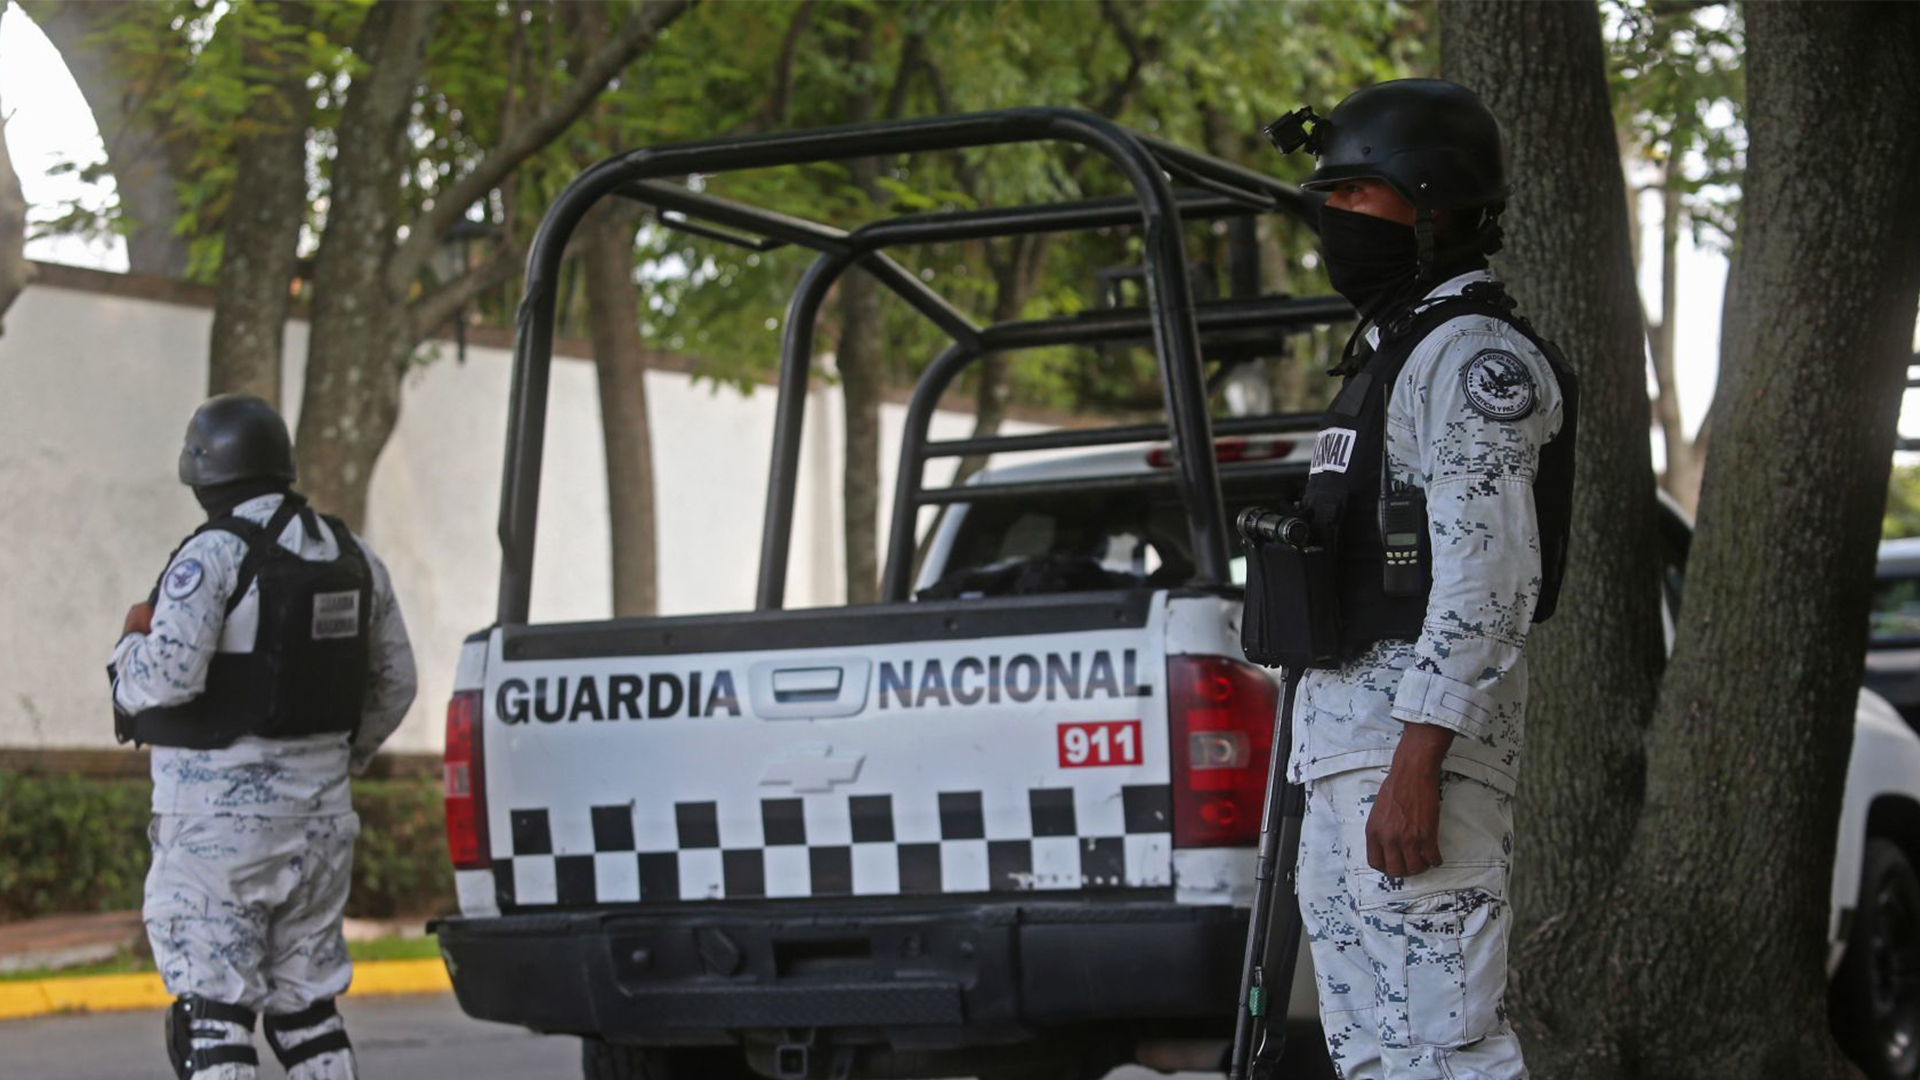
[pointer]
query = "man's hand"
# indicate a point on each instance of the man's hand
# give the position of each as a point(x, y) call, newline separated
point(139, 619)
point(1403, 830)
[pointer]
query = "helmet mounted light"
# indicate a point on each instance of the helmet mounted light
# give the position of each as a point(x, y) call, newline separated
point(1290, 132)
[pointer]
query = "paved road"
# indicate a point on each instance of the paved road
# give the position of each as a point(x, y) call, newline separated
point(423, 1037)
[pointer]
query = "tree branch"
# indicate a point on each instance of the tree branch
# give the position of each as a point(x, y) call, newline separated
point(943, 99)
point(781, 97)
point(911, 52)
point(516, 66)
point(632, 38)
point(434, 309)
point(1138, 53)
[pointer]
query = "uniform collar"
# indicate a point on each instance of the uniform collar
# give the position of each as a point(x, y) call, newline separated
point(260, 506)
point(1453, 286)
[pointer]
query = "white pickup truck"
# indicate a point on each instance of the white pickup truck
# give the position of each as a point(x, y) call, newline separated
point(1000, 824)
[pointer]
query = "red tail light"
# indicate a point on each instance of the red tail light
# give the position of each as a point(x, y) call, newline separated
point(1227, 450)
point(466, 784)
point(1222, 722)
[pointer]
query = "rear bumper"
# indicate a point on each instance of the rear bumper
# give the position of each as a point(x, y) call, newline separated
point(944, 976)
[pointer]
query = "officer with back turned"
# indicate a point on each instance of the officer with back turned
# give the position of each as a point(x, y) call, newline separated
point(270, 660)
point(1439, 496)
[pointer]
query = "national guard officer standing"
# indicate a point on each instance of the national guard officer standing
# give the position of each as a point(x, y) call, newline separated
point(1440, 491)
point(270, 660)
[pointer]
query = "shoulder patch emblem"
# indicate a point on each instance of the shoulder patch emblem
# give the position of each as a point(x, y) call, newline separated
point(1498, 385)
point(184, 579)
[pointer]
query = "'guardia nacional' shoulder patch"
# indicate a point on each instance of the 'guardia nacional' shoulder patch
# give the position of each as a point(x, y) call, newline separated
point(1498, 385)
point(184, 578)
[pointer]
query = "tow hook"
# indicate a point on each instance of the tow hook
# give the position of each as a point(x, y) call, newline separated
point(790, 1057)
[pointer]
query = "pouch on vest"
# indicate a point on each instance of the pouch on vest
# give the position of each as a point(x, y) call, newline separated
point(1289, 620)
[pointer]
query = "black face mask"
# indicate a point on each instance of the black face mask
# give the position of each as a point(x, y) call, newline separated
point(1370, 260)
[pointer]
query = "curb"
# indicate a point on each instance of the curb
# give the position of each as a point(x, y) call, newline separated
point(109, 993)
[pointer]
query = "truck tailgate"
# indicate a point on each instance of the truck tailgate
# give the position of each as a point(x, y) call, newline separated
point(970, 747)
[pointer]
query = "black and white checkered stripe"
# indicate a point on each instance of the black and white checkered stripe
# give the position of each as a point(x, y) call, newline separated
point(857, 851)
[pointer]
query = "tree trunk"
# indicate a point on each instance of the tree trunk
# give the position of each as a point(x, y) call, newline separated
point(358, 346)
point(15, 270)
point(1596, 664)
point(1682, 475)
point(613, 311)
point(1749, 750)
point(861, 357)
point(1706, 867)
point(261, 241)
point(147, 164)
point(1015, 275)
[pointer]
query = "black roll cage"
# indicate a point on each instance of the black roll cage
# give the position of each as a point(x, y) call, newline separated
point(1171, 320)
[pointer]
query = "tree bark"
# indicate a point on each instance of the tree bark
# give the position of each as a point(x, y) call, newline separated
point(859, 358)
point(1595, 666)
point(357, 348)
point(15, 270)
point(147, 164)
point(613, 306)
point(261, 240)
point(1750, 744)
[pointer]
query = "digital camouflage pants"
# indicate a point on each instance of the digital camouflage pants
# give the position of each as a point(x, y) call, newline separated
point(1411, 971)
point(245, 909)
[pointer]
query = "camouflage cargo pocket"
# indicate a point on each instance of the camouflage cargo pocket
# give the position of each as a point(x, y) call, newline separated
point(1438, 947)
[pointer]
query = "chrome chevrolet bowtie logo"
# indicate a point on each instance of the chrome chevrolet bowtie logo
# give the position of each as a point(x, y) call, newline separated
point(813, 769)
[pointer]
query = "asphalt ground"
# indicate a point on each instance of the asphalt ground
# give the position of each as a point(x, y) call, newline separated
point(414, 1036)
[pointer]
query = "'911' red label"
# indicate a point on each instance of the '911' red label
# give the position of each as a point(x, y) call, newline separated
point(1104, 742)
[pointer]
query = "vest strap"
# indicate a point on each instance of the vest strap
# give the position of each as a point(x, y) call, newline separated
point(259, 540)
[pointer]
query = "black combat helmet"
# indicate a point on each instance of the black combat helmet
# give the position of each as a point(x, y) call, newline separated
point(1435, 141)
point(235, 437)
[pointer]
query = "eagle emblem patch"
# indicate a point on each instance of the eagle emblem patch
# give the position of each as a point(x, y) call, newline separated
point(1498, 385)
point(184, 579)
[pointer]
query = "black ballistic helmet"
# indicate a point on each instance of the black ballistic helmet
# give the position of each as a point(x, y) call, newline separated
point(235, 437)
point(1435, 141)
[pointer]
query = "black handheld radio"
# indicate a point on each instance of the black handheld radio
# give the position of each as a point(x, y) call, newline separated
point(1403, 525)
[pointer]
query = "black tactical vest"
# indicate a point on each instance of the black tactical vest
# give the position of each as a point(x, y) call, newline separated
point(1343, 498)
point(307, 673)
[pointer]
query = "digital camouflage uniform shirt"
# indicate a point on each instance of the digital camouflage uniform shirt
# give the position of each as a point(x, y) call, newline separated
point(1447, 436)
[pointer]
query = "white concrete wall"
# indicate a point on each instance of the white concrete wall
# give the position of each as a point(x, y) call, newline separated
point(95, 391)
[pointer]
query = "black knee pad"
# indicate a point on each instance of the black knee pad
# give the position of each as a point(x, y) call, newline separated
point(277, 1025)
point(183, 1014)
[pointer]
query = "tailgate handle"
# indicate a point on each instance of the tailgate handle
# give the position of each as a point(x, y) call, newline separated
point(794, 685)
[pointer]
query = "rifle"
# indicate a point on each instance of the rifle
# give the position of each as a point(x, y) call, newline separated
point(1273, 945)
